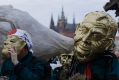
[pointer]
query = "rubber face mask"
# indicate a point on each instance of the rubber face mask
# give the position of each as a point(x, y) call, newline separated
point(66, 58)
point(94, 36)
point(12, 41)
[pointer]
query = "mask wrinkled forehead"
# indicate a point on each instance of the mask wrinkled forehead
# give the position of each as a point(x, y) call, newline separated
point(101, 17)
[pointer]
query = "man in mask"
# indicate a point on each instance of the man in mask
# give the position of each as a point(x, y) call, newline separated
point(94, 41)
point(19, 63)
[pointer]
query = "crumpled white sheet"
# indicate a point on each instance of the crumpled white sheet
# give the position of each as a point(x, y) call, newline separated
point(46, 42)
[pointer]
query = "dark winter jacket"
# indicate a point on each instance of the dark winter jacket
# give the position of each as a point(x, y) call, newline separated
point(29, 68)
point(105, 67)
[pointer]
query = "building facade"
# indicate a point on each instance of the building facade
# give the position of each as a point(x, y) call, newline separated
point(63, 27)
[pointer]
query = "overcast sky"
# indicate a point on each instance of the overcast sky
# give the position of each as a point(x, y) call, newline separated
point(42, 9)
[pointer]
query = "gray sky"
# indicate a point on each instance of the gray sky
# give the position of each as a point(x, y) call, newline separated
point(41, 10)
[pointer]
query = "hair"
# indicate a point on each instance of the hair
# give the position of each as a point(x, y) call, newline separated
point(102, 17)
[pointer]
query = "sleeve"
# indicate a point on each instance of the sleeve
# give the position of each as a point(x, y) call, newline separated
point(6, 68)
point(113, 70)
point(34, 73)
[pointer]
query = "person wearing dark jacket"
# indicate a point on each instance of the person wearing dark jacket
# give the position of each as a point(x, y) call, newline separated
point(94, 41)
point(19, 62)
point(93, 57)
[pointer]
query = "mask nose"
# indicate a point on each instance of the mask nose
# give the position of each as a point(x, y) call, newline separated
point(86, 38)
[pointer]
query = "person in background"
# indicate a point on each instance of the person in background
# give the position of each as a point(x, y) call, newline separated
point(19, 62)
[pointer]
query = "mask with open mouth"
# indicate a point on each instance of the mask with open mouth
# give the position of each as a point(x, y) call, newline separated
point(94, 36)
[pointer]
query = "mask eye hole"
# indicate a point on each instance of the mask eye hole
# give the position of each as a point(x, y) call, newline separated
point(95, 34)
point(13, 41)
point(5, 43)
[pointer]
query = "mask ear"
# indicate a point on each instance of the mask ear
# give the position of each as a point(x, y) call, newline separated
point(23, 44)
point(109, 44)
point(20, 46)
point(77, 27)
point(76, 32)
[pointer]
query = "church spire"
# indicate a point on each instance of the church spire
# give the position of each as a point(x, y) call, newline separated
point(74, 23)
point(52, 26)
point(62, 14)
point(73, 20)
